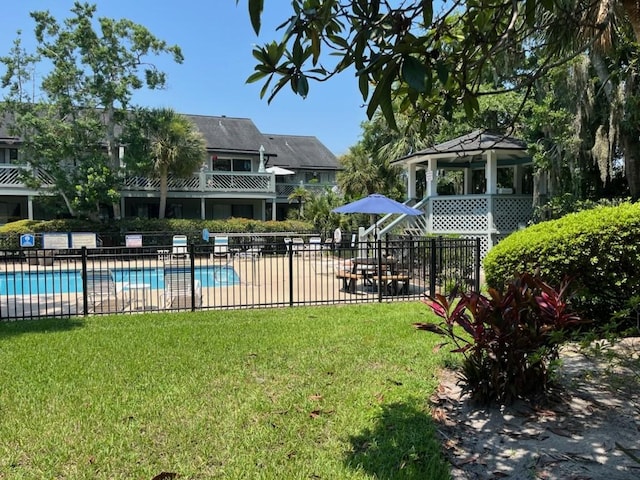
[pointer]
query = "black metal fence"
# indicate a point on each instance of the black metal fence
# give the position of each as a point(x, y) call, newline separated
point(249, 274)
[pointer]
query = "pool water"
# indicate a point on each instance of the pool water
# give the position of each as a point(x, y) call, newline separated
point(70, 281)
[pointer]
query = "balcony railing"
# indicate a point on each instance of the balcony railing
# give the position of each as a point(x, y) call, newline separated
point(286, 189)
point(208, 182)
point(11, 176)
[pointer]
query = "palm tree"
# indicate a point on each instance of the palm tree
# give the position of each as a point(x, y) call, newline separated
point(162, 142)
point(300, 195)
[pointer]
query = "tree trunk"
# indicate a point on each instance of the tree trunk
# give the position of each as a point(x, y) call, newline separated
point(631, 163)
point(113, 152)
point(163, 193)
point(628, 139)
point(632, 9)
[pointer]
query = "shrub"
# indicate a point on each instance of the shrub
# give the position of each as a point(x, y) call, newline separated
point(10, 232)
point(599, 248)
point(508, 339)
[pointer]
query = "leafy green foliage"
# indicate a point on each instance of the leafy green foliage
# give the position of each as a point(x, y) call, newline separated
point(10, 232)
point(88, 62)
point(435, 58)
point(508, 338)
point(161, 142)
point(600, 248)
point(318, 211)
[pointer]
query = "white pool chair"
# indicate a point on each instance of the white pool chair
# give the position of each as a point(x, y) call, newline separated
point(103, 294)
point(177, 289)
point(180, 247)
point(297, 244)
point(221, 247)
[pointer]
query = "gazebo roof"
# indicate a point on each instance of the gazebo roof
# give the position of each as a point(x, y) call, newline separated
point(462, 150)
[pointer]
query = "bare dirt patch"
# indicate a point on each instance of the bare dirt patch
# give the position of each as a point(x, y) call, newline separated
point(588, 428)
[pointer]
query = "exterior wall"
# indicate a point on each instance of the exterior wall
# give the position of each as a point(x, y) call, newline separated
point(489, 217)
point(190, 208)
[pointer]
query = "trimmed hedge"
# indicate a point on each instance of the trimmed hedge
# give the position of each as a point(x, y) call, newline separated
point(598, 249)
point(9, 233)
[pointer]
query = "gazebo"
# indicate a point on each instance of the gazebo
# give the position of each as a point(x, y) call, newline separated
point(491, 197)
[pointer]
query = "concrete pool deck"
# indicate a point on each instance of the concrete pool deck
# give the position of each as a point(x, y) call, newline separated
point(264, 281)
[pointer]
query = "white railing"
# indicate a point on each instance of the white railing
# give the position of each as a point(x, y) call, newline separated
point(391, 222)
point(490, 214)
point(12, 176)
point(208, 182)
point(464, 214)
point(286, 189)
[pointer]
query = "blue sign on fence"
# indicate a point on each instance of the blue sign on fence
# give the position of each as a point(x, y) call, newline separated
point(205, 234)
point(27, 240)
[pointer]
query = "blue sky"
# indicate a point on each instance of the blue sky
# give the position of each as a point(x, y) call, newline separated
point(216, 39)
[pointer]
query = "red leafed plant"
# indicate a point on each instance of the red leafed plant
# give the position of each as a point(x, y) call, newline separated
point(508, 338)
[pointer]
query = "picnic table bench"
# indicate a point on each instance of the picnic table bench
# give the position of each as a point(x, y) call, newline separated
point(366, 269)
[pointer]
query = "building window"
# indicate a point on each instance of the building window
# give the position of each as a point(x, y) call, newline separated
point(221, 164)
point(241, 165)
point(311, 177)
point(230, 164)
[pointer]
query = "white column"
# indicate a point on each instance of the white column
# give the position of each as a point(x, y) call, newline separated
point(411, 181)
point(30, 207)
point(273, 209)
point(203, 210)
point(491, 173)
point(431, 178)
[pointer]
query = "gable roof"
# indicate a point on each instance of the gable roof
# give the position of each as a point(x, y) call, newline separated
point(229, 134)
point(300, 151)
point(240, 135)
point(474, 143)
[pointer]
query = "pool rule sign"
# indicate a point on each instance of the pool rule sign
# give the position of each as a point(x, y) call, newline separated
point(27, 240)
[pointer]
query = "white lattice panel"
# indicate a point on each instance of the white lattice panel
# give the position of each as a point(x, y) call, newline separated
point(511, 212)
point(484, 243)
point(459, 214)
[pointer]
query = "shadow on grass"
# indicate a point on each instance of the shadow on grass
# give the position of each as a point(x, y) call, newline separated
point(21, 327)
point(403, 444)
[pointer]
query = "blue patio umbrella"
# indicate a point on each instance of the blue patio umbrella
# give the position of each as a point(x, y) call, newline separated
point(377, 204)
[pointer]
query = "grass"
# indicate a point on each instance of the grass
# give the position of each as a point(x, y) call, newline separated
point(324, 392)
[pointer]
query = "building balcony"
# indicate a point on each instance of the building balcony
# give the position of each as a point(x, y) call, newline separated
point(11, 176)
point(283, 190)
point(204, 181)
point(212, 182)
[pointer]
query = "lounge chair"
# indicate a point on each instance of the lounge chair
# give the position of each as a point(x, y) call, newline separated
point(254, 250)
point(297, 244)
point(103, 294)
point(315, 245)
point(221, 247)
point(180, 248)
point(177, 289)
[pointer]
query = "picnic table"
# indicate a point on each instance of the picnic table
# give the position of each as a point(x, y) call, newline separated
point(372, 271)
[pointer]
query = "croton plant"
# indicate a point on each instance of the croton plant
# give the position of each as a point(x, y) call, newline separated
point(508, 338)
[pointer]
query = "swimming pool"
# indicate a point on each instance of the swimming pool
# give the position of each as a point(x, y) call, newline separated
point(49, 282)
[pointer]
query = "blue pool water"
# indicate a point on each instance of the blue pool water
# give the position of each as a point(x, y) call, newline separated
point(70, 281)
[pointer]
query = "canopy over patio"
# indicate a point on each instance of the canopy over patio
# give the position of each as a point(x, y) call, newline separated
point(492, 198)
point(474, 151)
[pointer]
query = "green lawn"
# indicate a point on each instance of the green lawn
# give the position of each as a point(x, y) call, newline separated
point(328, 392)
